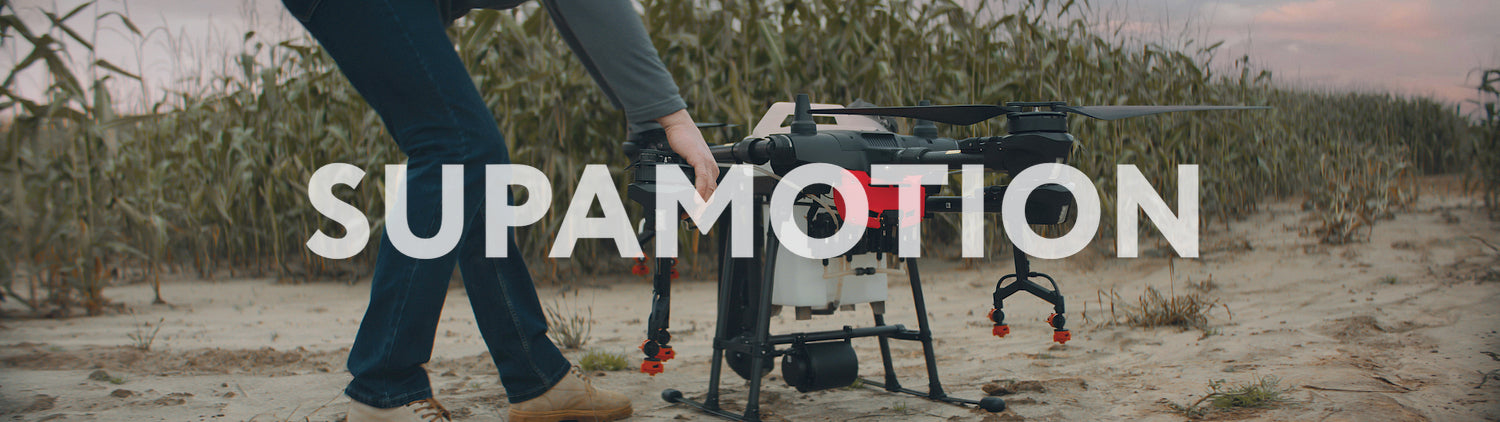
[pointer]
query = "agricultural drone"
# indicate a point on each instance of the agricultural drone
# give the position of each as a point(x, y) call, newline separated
point(751, 289)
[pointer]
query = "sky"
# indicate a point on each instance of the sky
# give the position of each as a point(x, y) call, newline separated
point(1419, 47)
point(1414, 47)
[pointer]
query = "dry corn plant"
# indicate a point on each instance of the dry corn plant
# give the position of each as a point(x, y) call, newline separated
point(1483, 176)
point(1361, 186)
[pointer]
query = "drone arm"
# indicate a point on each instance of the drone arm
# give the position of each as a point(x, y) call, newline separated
point(952, 158)
point(754, 150)
point(992, 197)
point(780, 149)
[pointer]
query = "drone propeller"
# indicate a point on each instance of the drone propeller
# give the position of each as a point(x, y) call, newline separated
point(962, 115)
point(969, 114)
point(702, 125)
point(1121, 112)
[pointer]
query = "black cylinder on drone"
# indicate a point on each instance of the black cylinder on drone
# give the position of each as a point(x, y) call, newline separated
point(820, 366)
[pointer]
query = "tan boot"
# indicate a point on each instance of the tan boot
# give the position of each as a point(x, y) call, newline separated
point(425, 410)
point(572, 399)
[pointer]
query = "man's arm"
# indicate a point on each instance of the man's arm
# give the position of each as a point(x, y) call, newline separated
point(608, 37)
point(610, 40)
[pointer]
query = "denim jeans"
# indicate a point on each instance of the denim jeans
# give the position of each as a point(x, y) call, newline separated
point(397, 55)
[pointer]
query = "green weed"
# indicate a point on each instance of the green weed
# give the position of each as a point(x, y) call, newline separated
point(145, 335)
point(1263, 392)
point(599, 360)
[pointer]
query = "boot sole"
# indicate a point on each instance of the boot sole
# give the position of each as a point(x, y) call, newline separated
point(571, 415)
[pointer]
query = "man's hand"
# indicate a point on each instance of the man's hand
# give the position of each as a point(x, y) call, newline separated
point(687, 141)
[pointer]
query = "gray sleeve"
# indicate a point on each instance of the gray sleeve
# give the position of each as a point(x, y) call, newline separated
point(610, 40)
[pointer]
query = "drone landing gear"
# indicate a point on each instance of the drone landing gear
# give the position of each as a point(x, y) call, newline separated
point(656, 346)
point(812, 360)
point(1022, 277)
point(924, 335)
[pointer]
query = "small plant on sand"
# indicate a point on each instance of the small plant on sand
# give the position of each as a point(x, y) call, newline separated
point(142, 338)
point(1155, 309)
point(1264, 392)
point(857, 384)
point(901, 408)
point(567, 323)
point(1207, 285)
point(599, 360)
point(101, 375)
point(1389, 280)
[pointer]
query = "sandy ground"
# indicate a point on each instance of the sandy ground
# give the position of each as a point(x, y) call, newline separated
point(1392, 329)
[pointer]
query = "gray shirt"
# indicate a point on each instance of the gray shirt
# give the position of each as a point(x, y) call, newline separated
point(608, 37)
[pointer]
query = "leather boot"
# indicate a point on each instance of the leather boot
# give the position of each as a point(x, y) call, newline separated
point(572, 399)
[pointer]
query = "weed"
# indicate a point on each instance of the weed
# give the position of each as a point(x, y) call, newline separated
point(1205, 286)
point(142, 338)
point(1389, 280)
point(902, 408)
point(1263, 392)
point(567, 324)
point(857, 384)
point(1154, 309)
point(599, 360)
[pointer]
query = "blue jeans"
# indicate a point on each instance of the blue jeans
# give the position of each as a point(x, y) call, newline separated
point(397, 55)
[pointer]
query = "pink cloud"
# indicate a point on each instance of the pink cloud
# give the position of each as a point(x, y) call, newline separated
point(1403, 26)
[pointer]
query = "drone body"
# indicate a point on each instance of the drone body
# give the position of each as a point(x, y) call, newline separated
point(752, 288)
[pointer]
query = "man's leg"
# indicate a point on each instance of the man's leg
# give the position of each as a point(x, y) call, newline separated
point(397, 55)
point(510, 317)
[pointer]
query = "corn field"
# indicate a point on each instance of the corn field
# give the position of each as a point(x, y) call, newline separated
point(212, 180)
point(1485, 176)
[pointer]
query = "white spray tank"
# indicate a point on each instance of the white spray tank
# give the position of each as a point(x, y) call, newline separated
point(805, 283)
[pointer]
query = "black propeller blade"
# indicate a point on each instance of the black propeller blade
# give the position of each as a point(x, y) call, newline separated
point(969, 114)
point(962, 115)
point(1121, 112)
point(702, 125)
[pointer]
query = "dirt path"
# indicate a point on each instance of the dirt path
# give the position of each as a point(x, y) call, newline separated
point(1393, 329)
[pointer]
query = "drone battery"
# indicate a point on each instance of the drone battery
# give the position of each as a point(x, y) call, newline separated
point(820, 366)
point(1048, 204)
